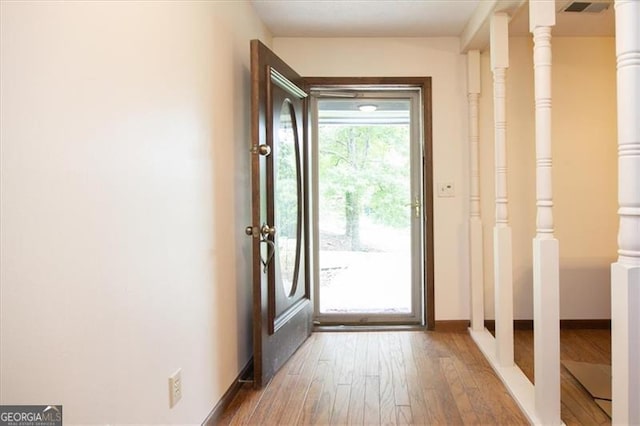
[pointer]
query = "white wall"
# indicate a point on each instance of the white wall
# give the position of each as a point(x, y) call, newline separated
point(438, 58)
point(584, 172)
point(125, 191)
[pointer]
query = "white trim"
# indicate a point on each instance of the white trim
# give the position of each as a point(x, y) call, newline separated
point(519, 387)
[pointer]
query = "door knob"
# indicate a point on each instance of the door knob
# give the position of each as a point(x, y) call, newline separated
point(262, 149)
point(267, 230)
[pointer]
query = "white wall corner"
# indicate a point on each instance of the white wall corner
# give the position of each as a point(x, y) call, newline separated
point(499, 41)
point(542, 13)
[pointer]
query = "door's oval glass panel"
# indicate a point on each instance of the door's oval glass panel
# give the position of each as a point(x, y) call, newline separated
point(287, 197)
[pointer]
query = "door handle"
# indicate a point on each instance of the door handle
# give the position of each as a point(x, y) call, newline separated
point(271, 251)
point(415, 206)
point(264, 232)
point(267, 230)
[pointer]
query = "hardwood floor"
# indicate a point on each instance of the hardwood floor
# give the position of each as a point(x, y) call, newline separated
point(578, 408)
point(373, 378)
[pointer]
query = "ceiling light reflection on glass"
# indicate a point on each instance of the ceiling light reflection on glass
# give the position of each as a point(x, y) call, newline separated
point(368, 107)
point(385, 111)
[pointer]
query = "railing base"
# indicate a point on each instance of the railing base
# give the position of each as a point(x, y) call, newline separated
point(518, 385)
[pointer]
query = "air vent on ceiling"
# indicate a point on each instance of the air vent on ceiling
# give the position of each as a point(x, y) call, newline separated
point(586, 7)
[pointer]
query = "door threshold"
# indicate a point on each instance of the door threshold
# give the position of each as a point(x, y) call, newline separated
point(369, 327)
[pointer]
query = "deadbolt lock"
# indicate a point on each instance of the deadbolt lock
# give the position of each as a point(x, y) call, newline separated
point(263, 150)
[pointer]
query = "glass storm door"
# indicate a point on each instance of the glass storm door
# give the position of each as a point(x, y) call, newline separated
point(282, 308)
point(368, 160)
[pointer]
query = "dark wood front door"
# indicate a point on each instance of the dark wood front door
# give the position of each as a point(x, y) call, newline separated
point(282, 307)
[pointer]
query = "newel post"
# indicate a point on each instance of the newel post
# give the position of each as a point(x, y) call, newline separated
point(546, 264)
point(625, 273)
point(475, 222)
point(499, 41)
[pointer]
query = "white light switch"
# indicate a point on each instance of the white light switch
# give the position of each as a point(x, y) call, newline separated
point(446, 189)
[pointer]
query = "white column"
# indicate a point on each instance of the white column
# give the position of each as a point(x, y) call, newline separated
point(499, 39)
point(546, 281)
point(475, 223)
point(625, 273)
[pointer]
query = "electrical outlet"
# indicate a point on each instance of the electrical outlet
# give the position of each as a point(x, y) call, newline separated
point(175, 388)
point(446, 189)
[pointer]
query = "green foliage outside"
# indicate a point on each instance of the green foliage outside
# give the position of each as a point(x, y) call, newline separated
point(365, 170)
point(286, 190)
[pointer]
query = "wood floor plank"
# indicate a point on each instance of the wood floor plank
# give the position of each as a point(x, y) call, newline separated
point(439, 344)
point(601, 339)
point(465, 409)
point(582, 408)
point(273, 406)
point(465, 355)
point(404, 415)
point(348, 359)
point(523, 355)
point(308, 414)
point(463, 349)
point(480, 407)
point(416, 397)
point(436, 409)
point(425, 363)
point(373, 366)
point(441, 406)
point(398, 372)
point(387, 399)
point(241, 417)
point(298, 390)
point(340, 411)
point(495, 395)
point(573, 348)
point(297, 395)
point(276, 407)
point(245, 400)
point(275, 397)
point(297, 361)
point(372, 401)
point(329, 350)
point(356, 396)
point(272, 399)
point(324, 407)
point(593, 346)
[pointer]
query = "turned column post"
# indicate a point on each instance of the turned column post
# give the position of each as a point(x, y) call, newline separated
point(475, 222)
point(546, 264)
point(502, 247)
point(625, 273)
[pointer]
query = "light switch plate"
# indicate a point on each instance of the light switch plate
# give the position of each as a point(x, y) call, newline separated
point(446, 189)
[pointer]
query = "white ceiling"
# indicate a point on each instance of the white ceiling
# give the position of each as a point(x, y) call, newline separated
point(407, 18)
point(365, 18)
